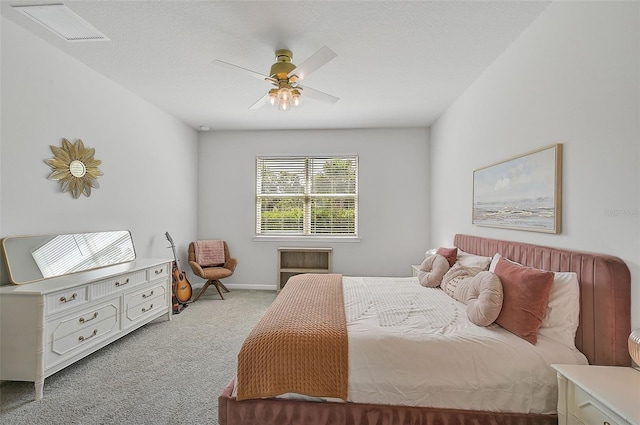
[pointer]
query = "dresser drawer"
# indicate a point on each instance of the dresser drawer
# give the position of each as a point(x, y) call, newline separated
point(143, 303)
point(158, 272)
point(64, 300)
point(93, 333)
point(60, 328)
point(122, 282)
point(589, 411)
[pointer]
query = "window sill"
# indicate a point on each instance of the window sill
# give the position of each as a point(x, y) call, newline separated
point(310, 239)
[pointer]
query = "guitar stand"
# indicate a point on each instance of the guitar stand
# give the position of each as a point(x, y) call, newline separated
point(177, 308)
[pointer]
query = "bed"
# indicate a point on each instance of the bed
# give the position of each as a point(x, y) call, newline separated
point(601, 337)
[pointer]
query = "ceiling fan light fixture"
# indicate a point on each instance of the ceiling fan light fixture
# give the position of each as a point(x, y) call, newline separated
point(272, 98)
point(286, 78)
point(284, 106)
point(297, 99)
point(284, 95)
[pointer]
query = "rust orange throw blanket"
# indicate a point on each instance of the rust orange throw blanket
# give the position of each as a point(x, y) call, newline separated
point(300, 345)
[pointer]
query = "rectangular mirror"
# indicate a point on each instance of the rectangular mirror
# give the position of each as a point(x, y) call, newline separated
point(33, 258)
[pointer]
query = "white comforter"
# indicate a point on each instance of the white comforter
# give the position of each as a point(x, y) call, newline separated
point(410, 345)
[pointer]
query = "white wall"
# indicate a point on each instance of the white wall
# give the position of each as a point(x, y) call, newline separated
point(393, 198)
point(573, 78)
point(147, 156)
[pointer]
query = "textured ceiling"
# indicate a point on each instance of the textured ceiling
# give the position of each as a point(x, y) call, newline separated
point(399, 63)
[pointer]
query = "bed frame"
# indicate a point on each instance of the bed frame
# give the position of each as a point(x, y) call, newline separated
point(605, 325)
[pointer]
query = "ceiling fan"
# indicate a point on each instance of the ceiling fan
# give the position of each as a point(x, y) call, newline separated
point(286, 78)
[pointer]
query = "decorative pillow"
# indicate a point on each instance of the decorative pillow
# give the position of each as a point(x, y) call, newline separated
point(483, 296)
point(466, 266)
point(526, 294)
point(449, 253)
point(477, 262)
point(457, 276)
point(432, 269)
point(561, 319)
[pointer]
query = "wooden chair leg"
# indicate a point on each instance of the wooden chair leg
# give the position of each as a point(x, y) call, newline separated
point(217, 284)
point(204, 288)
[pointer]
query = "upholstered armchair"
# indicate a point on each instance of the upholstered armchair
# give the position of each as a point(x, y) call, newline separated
point(212, 273)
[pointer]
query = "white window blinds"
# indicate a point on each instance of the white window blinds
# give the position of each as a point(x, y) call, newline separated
point(310, 196)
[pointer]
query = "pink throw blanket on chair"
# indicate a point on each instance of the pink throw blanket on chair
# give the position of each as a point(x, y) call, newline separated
point(209, 253)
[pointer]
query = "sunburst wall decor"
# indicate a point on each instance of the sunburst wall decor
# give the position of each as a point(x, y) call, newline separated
point(75, 168)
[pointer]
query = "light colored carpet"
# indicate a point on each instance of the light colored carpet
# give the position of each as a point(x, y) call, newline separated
point(163, 373)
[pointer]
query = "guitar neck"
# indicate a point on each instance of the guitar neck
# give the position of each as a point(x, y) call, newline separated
point(173, 248)
point(176, 258)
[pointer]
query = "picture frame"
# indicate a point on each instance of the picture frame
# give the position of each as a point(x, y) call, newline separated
point(521, 193)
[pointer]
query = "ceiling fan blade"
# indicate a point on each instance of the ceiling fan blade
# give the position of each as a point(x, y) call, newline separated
point(244, 70)
point(316, 60)
point(318, 95)
point(260, 102)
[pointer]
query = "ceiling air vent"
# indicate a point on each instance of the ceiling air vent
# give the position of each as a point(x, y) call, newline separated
point(62, 21)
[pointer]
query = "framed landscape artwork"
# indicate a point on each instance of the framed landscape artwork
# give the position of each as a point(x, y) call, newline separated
point(523, 193)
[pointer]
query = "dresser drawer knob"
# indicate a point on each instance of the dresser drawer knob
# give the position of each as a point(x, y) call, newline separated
point(159, 271)
point(147, 309)
point(83, 320)
point(147, 296)
point(66, 300)
point(84, 338)
point(123, 283)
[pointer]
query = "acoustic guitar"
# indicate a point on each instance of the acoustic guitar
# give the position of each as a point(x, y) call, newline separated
point(181, 287)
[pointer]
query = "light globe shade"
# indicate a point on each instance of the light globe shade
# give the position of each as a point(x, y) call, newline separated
point(284, 106)
point(297, 99)
point(284, 95)
point(272, 98)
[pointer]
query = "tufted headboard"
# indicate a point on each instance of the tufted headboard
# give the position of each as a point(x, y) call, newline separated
point(605, 292)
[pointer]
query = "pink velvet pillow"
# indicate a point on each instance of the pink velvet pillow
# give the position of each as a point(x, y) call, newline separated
point(449, 253)
point(526, 294)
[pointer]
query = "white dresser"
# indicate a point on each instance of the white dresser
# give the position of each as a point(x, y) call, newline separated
point(598, 395)
point(45, 326)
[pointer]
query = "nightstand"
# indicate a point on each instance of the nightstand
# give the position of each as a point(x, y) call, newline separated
point(593, 395)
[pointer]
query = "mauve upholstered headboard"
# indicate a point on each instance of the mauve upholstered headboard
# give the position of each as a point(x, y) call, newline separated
point(605, 292)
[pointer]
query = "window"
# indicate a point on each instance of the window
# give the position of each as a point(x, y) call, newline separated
point(307, 196)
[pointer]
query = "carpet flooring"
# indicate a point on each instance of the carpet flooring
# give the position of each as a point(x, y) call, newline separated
point(166, 372)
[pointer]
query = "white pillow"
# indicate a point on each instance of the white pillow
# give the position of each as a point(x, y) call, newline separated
point(472, 261)
point(562, 316)
point(494, 262)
